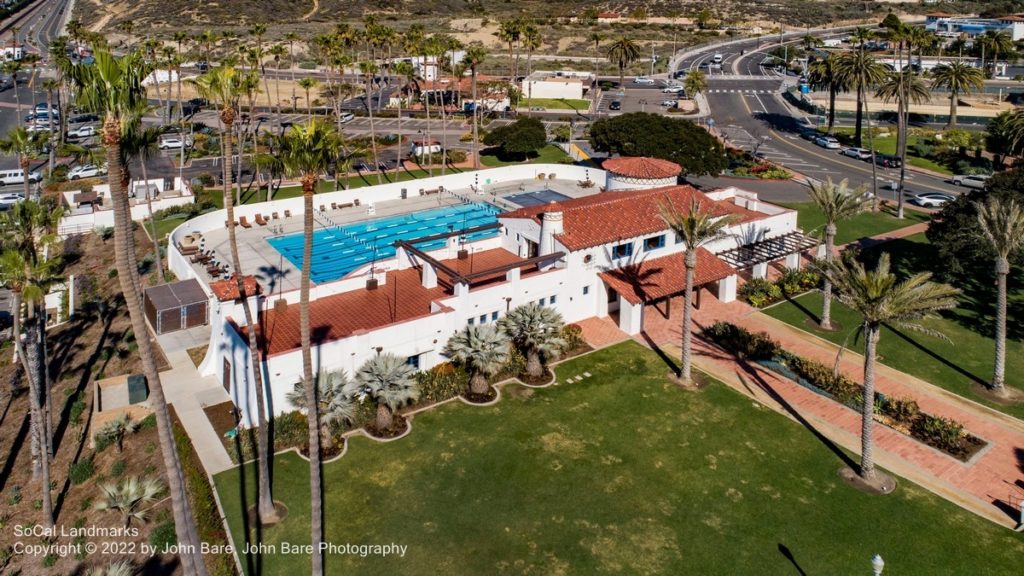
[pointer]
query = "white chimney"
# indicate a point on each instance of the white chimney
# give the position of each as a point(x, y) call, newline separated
point(550, 225)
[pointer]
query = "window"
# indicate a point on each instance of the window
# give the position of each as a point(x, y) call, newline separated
point(586, 290)
point(540, 302)
point(471, 321)
point(483, 318)
point(622, 250)
point(654, 242)
point(553, 299)
point(494, 316)
point(413, 361)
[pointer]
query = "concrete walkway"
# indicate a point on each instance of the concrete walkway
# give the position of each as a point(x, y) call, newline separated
point(189, 393)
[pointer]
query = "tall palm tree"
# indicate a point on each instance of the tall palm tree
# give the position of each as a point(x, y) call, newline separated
point(1002, 224)
point(475, 56)
point(905, 88)
point(405, 71)
point(141, 143)
point(26, 146)
point(369, 69)
point(882, 298)
point(596, 38)
point(482, 349)
point(836, 203)
point(823, 76)
point(128, 498)
point(306, 151)
point(696, 227)
point(51, 86)
point(531, 40)
point(223, 86)
point(277, 51)
point(335, 405)
point(391, 382)
point(958, 78)
point(536, 331)
point(259, 30)
point(1002, 136)
point(859, 71)
point(308, 83)
point(509, 32)
point(622, 53)
point(112, 87)
point(996, 42)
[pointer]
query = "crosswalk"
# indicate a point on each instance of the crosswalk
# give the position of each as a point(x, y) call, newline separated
point(740, 91)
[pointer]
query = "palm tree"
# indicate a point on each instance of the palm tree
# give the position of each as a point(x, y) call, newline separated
point(128, 497)
point(596, 38)
point(823, 75)
point(112, 87)
point(405, 71)
point(1002, 137)
point(307, 151)
point(25, 145)
point(391, 382)
point(509, 32)
point(474, 57)
point(335, 405)
point(121, 568)
point(142, 144)
point(861, 72)
point(536, 332)
point(278, 51)
point(11, 68)
point(622, 53)
point(958, 78)
point(482, 350)
point(836, 202)
point(531, 41)
point(51, 85)
point(695, 83)
point(1002, 224)
point(223, 86)
point(115, 430)
point(882, 298)
point(905, 88)
point(308, 83)
point(696, 227)
point(995, 41)
point(259, 30)
point(369, 69)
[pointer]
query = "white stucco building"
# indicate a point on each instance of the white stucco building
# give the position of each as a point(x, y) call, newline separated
point(596, 255)
point(567, 84)
point(90, 209)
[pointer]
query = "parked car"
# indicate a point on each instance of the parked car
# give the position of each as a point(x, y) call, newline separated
point(931, 199)
point(671, 89)
point(86, 171)
point(827, 142)
point(615, 105)
point(668, 103)
point(971, 180)
point(17, 176)
point(347, 117)
point(810, 134)
point(10, 199)
point(83, 119)
point(174, 142)
point(202, 66)
point(83, 131)
point(888, 160)
point(643, 80)
point(858, 153)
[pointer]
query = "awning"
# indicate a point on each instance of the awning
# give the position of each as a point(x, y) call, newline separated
point(659, 278)
point(768, 250)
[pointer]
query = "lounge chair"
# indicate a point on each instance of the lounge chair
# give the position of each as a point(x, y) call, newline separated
point(287, 213)
point(323, 208)
point(245, 223)
point(274, 216)
point(260, 220)
point(334, 205)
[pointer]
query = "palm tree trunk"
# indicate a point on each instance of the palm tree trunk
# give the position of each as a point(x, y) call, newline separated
point(385, 418)
point(373, 132)
point(444, 134)
point(124, 247)
point(871, 145)
point(313, 414)
point(534, 367)
point(25, 165)
point(40, 437)
point(831, 107)
point(52, 154)
point(152, 224)
point(430, 155)
point(1002, 271)
point(867, 445)
point(953, 96)
point(859, 120)
point(476, 122)
point(398, 151)
point(17, 97)
point(826, 289)
point(478, 383)
point(691, 264)
point(904, 114)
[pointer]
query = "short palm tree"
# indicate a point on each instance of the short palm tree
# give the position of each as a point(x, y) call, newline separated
point(905, 88)
point(696, 227)
point(25, 146)
point(695, 82)
point(622, 53)
point(128, 498)
point(116, 430)
point(120, 568)
point(536, 332)
point(308, 84)
point(474, 58)
point(1002, 224)
point(391, 382)
point(836, 203)
point(882, 298)
point(958, 78)
point(823, 75)
point(335, 405)
point(482, 349)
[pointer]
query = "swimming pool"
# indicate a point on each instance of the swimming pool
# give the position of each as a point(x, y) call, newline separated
point(340, 250)
point(536, 197)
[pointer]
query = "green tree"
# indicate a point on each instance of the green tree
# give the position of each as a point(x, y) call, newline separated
point(475, 56)
point(823, 75)
point(836, 203)
point(622, 53)
point(521, 138)
point(659, 136)
point(882, 298)
point(369, 70)
point(128, 497)
point(116, 430)
point(112, 88)
point(958, 78)
point(391, 382)
point(482, 349)
point(1002, 225)
point(1001, 137)
point(905, 88)
point(994, 42)
point(25, 146)
point(860, 72)
point(596, 38)
point(695, 82)
point(406, 74)
point(536, 331)
point(696, 227)
point(308, 84)
point(336, 407)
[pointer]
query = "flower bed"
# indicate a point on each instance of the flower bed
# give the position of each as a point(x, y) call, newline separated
point(900, 414)
point(760, 292)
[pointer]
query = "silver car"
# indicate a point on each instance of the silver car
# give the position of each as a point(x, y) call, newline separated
point(971, 180)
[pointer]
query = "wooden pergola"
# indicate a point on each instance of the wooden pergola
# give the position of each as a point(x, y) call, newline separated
point(768, 250)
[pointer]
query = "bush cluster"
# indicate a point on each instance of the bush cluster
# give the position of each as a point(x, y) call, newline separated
point(761, 292)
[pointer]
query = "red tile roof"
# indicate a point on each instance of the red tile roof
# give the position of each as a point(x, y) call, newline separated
point(642, 167)
point(610, 216)
point(660, 277)
point(226, 290)
point(400, 298)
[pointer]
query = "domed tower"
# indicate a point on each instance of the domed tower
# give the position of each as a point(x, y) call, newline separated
point(639, 173)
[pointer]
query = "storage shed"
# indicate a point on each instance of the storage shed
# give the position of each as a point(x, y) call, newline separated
point(176, 306)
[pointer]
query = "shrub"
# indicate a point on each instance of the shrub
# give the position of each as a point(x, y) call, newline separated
point(117, 468)
point(760, 292)
point(456, 156)
point(741, 341)
point(106, 232)
point(902, 410)
point(441, 382)
point(572, 335)
point(163, 535)
point(81, 471)
point(943, 433)
point(15, 496)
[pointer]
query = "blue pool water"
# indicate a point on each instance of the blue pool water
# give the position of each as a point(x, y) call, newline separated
point(340, 250)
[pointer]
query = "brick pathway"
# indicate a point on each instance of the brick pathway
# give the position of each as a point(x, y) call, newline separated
point(887, 236)
point(991, 484)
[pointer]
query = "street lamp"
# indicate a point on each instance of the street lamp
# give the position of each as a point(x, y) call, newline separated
point(877, 564)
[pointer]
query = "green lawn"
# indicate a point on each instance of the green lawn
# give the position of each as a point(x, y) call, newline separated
point(549, 154)
point(966, 358)
point(863, 225)
point(887, 145)
point(556, 103)
point(621, 473)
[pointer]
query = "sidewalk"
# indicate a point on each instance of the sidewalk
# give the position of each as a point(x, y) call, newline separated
point(190, 393)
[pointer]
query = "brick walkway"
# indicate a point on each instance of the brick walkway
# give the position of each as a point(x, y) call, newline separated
point(991, 484)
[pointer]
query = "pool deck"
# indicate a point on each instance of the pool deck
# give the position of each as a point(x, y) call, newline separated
point(276, 273)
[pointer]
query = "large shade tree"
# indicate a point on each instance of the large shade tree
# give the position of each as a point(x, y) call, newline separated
point(659, 136)
point(880, 297)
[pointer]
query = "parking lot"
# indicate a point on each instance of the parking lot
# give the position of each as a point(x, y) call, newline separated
point(636, 98)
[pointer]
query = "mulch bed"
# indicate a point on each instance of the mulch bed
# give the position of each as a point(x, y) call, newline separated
point(481, 398)
point(398, 427)
point(327, 451)
point(546, 378)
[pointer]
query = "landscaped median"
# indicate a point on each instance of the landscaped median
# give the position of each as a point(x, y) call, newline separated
point(620, 471)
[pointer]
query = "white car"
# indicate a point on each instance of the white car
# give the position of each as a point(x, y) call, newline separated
point(931, 199)
point(971, 180)
point(86, 171)
point(672, 90)
point(347, 117)
point(10, 199)
point(174, 142)
point(828, 142)
point(858, 153)
point(668, 103)
point(643, 80)
point(84, 131)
